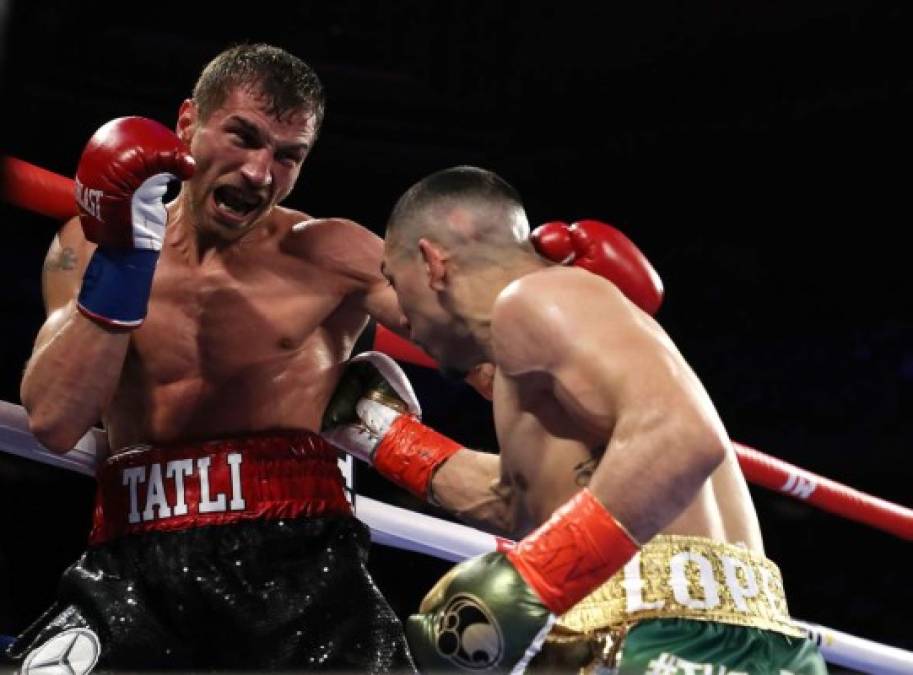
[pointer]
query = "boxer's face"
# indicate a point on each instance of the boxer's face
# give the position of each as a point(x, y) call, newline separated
point(247, 161)
point(434, 323)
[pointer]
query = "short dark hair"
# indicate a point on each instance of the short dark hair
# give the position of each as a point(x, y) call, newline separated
point(288, 83)
point(492, 199)
point(457, 183)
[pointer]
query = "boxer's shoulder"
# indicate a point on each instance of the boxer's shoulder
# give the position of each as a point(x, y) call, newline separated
point(331, 229)
point(540, 315)
point(284, 220)
point(555, 293)
point(558, 280)
point(337, 244)
point(542, 293)
point(520, 322)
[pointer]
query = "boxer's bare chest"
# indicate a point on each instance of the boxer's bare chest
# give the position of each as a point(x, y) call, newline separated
point(545, 456)
point(236, 343)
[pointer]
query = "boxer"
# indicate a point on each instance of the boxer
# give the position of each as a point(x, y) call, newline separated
point(636, 528)
point(208, 335)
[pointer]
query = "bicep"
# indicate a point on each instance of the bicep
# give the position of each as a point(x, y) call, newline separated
point(362, 260)
point(381, 304)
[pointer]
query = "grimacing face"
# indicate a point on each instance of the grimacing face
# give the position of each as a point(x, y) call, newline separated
point(247, 161)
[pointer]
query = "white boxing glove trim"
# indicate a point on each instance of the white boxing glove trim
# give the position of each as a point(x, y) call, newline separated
point(395, 376)
point(147, 211)
point(360, 439)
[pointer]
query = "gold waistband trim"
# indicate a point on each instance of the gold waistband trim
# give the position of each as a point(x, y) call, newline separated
point(687, 578)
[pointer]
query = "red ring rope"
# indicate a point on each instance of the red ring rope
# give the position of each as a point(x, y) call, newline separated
point(824, 493)
point(36, 189)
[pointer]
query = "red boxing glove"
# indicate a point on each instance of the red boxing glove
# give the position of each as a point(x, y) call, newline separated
point(603, 250)
point(122, 176)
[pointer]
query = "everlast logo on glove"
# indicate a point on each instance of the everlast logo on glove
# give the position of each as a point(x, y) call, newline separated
point(89, 199)
point(467, 635)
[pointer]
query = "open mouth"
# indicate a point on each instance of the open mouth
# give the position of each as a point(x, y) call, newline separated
point(235, 202)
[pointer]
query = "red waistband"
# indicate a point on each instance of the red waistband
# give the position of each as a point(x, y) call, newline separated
point(184, 485)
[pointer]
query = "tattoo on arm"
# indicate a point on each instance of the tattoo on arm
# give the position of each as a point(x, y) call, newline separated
point(584, 471)
point(64, 260)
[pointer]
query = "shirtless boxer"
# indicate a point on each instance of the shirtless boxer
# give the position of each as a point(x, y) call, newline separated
point(640, 547)
point(222, 537)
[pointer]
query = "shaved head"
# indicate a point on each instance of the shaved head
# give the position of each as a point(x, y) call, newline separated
point(473, 213)
point(454, 241)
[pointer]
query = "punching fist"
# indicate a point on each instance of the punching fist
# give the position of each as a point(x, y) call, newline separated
point(373, 415)
point(492, 612)
point(120, 182)
point(481, 616)
point(603, 250)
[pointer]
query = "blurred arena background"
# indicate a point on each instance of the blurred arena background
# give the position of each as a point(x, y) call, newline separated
point(758, 153)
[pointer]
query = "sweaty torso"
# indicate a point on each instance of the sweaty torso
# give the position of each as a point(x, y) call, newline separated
point(546, 457)
point(248, 338)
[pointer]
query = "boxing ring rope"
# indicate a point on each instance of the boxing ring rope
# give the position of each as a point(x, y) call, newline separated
point(826, 494)
point(35, 189)
point(419, 533)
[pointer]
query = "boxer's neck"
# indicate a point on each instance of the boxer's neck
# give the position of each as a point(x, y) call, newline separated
point(198, 243)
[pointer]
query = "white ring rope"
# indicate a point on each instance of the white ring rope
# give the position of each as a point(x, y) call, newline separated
point(404, 529)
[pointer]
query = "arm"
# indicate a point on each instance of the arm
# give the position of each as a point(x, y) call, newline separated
point(618, 373)
point(378, 298)
point(374, 416)
point(469, 485)
point(120, 181)
point(352, 253)
point(63, 393)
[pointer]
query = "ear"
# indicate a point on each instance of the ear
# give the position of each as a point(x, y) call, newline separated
point(435, 264)
point(187, 120)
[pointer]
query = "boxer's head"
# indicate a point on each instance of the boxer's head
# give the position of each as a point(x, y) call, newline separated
point(453, 241)
point(253, 118)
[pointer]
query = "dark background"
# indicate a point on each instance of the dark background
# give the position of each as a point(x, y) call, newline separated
point(758, 153)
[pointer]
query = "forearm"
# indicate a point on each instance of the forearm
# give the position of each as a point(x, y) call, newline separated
point(653, 469)
point(469, 486)
point(374, 416)
point(70, 378)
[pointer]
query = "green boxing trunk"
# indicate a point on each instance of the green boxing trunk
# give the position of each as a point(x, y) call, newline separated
point(688, 647)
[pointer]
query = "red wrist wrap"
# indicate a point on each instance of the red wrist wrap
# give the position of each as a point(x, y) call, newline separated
point(410, 452)
point(578, 548)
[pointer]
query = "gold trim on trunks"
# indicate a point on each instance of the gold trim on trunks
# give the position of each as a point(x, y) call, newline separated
point(687, 578)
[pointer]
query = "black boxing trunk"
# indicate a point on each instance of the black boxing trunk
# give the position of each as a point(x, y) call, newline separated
point(239, 554)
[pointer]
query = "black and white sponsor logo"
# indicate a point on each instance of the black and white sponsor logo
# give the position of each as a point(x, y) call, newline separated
point(72, 652)
point(467, 635)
